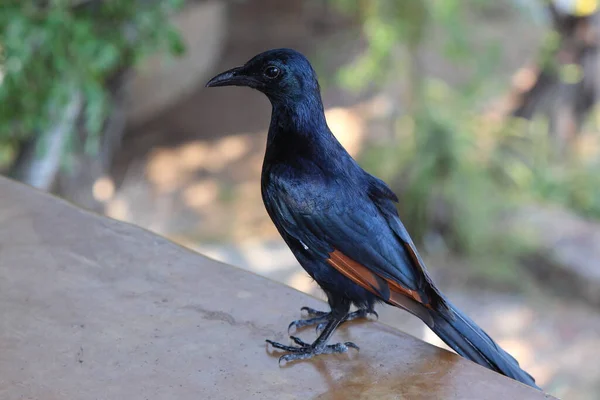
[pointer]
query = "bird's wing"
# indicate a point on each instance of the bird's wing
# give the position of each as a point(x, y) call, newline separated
point(363, 242)
point(384, 199)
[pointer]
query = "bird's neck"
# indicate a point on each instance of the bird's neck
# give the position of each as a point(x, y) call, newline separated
point(299, 115)
point(299, 133)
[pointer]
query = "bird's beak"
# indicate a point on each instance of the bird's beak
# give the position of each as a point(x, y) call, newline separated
point(232, 77)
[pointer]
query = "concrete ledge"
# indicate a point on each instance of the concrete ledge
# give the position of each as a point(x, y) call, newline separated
point(91, 308)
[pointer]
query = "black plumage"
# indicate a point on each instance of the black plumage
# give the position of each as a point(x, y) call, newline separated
point(341, 223)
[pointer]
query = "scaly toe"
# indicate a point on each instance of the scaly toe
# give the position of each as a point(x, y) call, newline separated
point(295, 357)
point(283, 347)
point(340, 348)
point(299, 341)
point(319, 328)
point(311, 312)
point(352, 345)
point(301, 323)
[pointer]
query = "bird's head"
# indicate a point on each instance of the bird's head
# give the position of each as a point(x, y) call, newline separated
point(284, 75)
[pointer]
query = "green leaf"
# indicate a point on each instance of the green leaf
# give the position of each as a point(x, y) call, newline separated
point(176, 44)
point(41, 47)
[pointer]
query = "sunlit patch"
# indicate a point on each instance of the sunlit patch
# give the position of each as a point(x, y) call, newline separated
point(302, 281)
point(193, 155)
point(262, 257)
point(200, 194)
point(380, 107)
point(513, 321)
point(231, 148)
point(163, 170)
point(347, 127)
point(103, 189)
point(118, 208)
point(525, 78)
point(214, 157)
point(255, 165)
point(265, 228)
point(223, 153)
point(265, 257)
point(588, 147)
point(247, 218)
point(182, 240)
point(542, 374)
point(519, 349)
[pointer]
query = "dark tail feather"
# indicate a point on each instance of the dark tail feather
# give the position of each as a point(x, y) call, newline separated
point(470, 341)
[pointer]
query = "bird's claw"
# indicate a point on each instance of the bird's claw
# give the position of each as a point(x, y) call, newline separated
point(321, 318)
point(306, 351)
point(371, 312)
point(311, 312)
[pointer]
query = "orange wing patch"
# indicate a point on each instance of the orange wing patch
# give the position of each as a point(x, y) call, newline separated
point(362, 276)
point(355, 271)
point(407, 292)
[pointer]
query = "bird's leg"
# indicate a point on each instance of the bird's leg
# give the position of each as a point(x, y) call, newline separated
point(321, 318)
point(319, 346)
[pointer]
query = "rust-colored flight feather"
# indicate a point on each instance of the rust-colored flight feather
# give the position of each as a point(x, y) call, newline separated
point(356, 272)
point(366, 278)
point(407, 292)
point(388, 290)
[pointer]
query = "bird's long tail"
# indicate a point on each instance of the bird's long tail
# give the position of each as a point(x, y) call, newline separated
point(470, 341)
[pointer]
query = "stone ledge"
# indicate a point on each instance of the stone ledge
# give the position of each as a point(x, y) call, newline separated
point(92, 308)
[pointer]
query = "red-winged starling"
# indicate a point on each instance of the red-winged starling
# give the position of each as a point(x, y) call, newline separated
point(341, 223)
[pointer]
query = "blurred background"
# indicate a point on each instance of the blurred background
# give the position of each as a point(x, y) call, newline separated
point(481, 114)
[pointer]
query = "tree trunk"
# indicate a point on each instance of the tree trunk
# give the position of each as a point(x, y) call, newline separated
point(76, 184)
point(39, 161)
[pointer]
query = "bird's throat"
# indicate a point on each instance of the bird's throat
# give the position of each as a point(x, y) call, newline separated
point(301, 117)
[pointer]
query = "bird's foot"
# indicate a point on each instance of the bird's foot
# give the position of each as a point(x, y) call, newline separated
point(360, 313)
point(314, 317)
point(306, 350)
point(321, 318)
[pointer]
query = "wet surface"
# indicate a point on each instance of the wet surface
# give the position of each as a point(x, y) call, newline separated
point(91, 308)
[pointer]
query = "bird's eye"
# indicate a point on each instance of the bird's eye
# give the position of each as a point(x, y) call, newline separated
point(272, 72)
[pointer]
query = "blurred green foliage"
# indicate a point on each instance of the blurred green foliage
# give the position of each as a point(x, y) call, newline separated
point(458, 172)
point(576, 187)
point(51, 48)
point(532, 169)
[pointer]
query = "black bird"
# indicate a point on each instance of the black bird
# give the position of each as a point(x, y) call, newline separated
point(341, 222)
